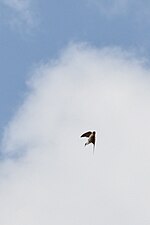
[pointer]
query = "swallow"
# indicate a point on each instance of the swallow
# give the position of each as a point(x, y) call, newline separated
point(91, 138)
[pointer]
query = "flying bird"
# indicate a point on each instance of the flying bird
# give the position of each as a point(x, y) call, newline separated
point(91, 138)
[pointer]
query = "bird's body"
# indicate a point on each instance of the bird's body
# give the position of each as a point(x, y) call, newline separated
point(91, 138)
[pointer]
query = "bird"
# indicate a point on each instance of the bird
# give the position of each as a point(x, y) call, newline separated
point(91, 135)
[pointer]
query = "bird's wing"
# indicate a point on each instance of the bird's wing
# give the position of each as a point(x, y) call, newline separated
point(87, 134)
point(93, 139)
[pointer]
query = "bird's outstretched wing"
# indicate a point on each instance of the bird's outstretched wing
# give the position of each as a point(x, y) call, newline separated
point(87, 134)
point(93, 139)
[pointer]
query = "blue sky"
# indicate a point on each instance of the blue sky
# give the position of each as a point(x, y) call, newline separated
point(68, 67)
point(53, 25)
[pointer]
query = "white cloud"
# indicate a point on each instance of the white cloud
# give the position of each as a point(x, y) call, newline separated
point(57, 180)
point(21, 13)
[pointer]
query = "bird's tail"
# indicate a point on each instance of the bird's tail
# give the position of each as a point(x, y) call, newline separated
point(93, 149)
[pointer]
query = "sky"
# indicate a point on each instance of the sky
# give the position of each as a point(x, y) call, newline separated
point(66, 68)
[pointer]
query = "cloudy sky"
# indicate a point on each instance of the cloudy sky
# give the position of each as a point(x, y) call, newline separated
point(66, 68)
